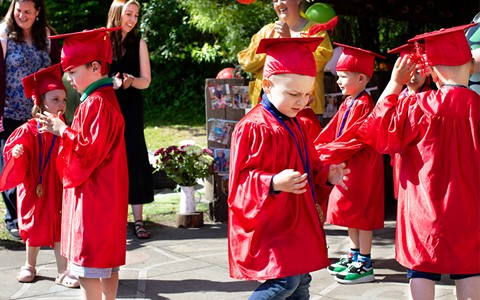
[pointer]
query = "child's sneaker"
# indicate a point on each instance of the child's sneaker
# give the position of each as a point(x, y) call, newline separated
point(340, 266)
point(356, 272)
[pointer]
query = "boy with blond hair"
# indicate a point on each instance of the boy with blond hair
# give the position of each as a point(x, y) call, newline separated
point(275, 230)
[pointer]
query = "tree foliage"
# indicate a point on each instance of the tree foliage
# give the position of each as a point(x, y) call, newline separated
point(191, 40)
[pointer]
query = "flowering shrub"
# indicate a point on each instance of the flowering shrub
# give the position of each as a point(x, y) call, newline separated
point(185, 164)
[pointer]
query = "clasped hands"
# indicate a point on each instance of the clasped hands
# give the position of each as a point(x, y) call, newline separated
point(292, 181)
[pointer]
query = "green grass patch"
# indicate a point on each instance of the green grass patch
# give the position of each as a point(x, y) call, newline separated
point(164, 136)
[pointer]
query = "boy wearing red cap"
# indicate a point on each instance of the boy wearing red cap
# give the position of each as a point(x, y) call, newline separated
point(360, 207)
point(30, 166)
point(437, 133)
point(93, 166)
point(275, 233)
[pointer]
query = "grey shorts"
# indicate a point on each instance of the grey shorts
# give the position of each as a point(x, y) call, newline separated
point(86, 272)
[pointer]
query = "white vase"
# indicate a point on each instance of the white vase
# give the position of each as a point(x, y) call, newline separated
point(187, 200)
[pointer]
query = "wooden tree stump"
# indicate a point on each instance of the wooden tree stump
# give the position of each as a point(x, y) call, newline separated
point(194, 220)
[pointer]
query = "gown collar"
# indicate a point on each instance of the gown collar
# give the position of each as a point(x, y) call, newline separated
point(96, 85)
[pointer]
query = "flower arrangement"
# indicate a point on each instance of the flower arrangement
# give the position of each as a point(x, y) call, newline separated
point(185, 164)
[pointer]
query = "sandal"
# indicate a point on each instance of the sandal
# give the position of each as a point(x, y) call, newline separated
point(67, 280)
point(26, 274)
point(140, 231)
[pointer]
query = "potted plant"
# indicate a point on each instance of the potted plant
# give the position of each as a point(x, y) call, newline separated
point(185, 165)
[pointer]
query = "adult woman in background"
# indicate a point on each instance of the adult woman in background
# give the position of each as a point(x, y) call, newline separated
point(131, 73)
point(26, 49)
point(290, 24)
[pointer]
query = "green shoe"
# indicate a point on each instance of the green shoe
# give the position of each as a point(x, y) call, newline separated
point(340, 265)
point(356, 272)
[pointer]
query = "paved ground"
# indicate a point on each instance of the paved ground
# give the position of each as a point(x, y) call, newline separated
point(189, 264)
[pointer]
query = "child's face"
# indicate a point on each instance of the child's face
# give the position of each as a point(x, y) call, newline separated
point(55, 102)
point(289, 93)
point(349, 82)
point(416, 81)
point(81, 77)
point(129, 17)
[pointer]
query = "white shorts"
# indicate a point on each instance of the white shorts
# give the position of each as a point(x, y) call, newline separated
point(86, 272)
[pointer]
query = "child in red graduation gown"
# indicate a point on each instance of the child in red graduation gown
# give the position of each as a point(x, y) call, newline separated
point(30, 166)
point(93, 166)
point(438, 134)
point(275, 233)
point(361, 207)
point(416, 84)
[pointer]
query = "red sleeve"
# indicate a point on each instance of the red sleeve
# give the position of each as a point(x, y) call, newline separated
point(328, 144)
point(16, 169)
point(392, 124)
point(249, 180)
point(84, 144)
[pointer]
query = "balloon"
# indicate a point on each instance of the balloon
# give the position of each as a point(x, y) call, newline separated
point(226, 73)
point(320, 12)
point(245, 1)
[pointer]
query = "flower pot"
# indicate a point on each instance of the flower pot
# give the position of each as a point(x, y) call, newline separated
point(188, 216)
point(187, 200)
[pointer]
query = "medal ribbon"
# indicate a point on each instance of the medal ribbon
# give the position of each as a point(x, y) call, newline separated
point(303, 154)
point(40, 168)
point(344, 120)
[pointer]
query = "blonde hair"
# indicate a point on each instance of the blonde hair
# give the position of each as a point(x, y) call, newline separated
point(117, 8)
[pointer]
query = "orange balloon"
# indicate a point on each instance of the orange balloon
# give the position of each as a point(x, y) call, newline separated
point(245, 1)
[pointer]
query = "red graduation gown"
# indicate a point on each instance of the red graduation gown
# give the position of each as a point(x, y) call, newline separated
point(438, 133)
point(39, 218)
point(362, 205)
point(92, 161)
point(396, 159)
point(271, 235)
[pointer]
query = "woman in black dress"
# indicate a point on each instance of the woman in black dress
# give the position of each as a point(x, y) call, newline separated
point(131, 73)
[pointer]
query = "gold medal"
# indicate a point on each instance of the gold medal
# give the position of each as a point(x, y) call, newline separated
point(39, 190)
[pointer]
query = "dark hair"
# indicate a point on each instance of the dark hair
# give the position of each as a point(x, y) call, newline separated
point(106, 64)
point(39, 28)
point(114, 20)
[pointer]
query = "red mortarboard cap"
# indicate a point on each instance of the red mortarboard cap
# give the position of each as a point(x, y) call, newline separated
point(416, 53)
point(447, 47)
point(82, 47)
point(43, 81)
point(407, 49)
point(289, 55)
point(355, 59)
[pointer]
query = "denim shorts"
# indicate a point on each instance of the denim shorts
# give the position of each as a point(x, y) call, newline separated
point(436, 277)
point(86, 272)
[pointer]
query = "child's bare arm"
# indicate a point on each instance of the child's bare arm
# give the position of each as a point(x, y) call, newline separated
point(17, 150)
point(290, 181)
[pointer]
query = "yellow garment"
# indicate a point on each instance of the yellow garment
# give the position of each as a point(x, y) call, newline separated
point(253, 63)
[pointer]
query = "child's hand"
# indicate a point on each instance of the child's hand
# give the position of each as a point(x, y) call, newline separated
point(51, 123)
point(403, 70)
point(290, 181)
point(336, 175)
point(17, 150)
point(117, 81)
